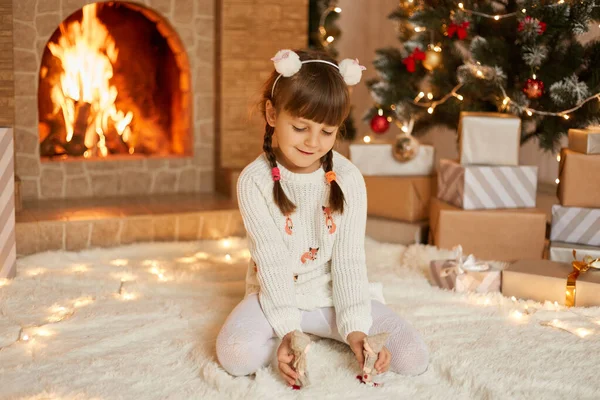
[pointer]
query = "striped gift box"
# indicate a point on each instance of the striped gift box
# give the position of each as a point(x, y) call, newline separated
point(563, 252)
point(575, 225)
point(8, 251)
point(476, 187)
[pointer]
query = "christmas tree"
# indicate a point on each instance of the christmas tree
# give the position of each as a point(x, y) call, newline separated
point(323, 34)
point(520, 57)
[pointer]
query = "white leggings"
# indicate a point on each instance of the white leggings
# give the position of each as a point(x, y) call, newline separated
point(247, 341)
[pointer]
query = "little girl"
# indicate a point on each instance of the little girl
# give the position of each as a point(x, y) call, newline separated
point(304, 207)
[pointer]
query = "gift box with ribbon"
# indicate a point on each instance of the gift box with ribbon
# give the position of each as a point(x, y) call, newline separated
point(466, 274)
point(562, 252)
point(575, 284)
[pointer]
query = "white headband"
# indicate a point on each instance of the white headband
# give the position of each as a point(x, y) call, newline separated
point(287, 63)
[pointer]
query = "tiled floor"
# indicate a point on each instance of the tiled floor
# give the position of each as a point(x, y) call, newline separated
point(85, 223)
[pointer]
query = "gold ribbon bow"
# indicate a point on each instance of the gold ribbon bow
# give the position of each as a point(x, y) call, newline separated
point(579, 268)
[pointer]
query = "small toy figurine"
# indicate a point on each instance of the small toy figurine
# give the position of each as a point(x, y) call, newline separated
point(371, 347)
point(300, 347)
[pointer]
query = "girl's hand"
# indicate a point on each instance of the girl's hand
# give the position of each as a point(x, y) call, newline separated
point(285, 358)
point(355, 341)
point(383, 361)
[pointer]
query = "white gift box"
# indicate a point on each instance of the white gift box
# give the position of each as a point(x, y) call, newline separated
point(8, 251)
point(377, 159)
point(563, 252)
point(489, 138)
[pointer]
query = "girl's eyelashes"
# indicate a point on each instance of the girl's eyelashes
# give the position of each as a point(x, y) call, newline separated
point(298, 129)
point(304, 129)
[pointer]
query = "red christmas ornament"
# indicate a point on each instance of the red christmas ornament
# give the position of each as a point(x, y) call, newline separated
point(379, 124)
point(533, 88)
point(411, 60)
point(459, 29)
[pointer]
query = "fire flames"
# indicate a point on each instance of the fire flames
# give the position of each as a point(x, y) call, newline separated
point(84, 94)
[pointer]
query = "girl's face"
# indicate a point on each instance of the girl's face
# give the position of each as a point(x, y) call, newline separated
point(301, 142)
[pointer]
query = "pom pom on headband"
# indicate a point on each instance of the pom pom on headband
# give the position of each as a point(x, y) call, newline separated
point(287, 63)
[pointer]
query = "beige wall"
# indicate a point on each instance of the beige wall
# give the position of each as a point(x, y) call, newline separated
point(365, 28)
point(251, 32)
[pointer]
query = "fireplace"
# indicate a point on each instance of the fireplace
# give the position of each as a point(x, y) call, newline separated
point(141, 122)
point(111, 85)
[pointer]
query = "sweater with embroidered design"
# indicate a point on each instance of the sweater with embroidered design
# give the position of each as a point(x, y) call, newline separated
point(313, 257)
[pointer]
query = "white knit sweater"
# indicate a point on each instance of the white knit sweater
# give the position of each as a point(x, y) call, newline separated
point(313, 258)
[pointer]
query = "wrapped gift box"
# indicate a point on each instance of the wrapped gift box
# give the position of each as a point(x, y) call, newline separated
point(467, 276)
point(579, 175)
point(377, 160)
point(476, 187)
point(585, 140)
point(402, 198)
point(399, 232)
point(8, 251)
point(502, 235)
point(489, 138)
point(542, 280)
point(563, 252)
point(575, 225)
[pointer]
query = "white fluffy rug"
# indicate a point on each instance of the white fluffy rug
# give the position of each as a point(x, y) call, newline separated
point(156, 339)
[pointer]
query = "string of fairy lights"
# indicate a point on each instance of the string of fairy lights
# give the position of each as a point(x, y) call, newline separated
point(480, 72)
point(324, 38)
point(32, 334)
point(518, 311)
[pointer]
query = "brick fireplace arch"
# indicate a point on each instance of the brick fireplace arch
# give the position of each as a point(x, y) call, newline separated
point(114, 81)
point(189, 28)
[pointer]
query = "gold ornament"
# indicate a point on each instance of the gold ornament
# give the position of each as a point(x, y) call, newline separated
point(405, 148)
point(432, 59)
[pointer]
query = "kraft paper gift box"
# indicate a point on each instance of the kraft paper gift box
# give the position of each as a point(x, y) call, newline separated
point(545, 280)
point(402, 198)
point(563, 252)
point(489, 138)
point(575, 225)
point(399, 232)
point(377, 160)
point(500, 235)
point(585, 141)
point(474, 187)
point(579, 179)
point(8, 251)
point(466, 274)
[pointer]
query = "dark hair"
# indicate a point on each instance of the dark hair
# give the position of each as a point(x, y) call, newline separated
point(318, 93)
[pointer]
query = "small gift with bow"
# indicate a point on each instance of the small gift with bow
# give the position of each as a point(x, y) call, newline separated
point(466, 274)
